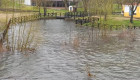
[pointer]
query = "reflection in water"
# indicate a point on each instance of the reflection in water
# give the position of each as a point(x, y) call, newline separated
point(23, 37)
point(68, 52)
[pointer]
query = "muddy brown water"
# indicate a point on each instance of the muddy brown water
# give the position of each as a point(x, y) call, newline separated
point(70, 52)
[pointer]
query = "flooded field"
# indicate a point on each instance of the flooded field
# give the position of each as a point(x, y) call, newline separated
point(69, 52)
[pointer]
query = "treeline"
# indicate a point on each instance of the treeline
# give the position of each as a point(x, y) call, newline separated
point(105, 7)
point(16, 4)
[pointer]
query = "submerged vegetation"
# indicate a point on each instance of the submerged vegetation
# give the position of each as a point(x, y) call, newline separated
point(22, 38)
point(18, 37)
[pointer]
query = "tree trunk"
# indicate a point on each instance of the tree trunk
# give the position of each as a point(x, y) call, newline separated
point(85, 9)
point(45, 11)
point(66, 6)
point(85, 5)
point(131, 18)
point(0, 3)
point(132, 13)
point(105, 16)
point(118, 6)
point(44, 8)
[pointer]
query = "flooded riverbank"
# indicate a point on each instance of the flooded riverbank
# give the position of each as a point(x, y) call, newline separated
point(70, 52)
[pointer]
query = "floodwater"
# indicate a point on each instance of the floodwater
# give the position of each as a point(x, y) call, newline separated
point(70, 52)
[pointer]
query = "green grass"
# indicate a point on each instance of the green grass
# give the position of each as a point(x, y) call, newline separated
point(80, 9)
point(34, 8)
point(115, 22)
point(56, 10)
point(121, 22)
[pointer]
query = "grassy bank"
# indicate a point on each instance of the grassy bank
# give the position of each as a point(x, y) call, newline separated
point(117, 20)
point(5, 16)
point(49, 9)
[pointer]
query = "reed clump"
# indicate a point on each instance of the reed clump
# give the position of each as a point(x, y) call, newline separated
point(22, 37)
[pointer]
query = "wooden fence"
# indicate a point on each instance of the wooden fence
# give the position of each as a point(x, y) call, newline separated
point(24, 18)
point(82, 20)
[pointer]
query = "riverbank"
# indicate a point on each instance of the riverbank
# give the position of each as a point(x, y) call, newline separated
point(5, 16)
point(8, 13)
point(67, 50)
point(114, 20)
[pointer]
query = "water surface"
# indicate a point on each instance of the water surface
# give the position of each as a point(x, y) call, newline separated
point(70, 52)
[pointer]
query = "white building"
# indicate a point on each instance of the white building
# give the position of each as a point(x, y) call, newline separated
point(27, 2)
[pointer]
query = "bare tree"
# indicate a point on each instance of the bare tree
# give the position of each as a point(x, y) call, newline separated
point(119, 3)
point(85, 4)
point(38, 4)
point(101, 7)
point(45, 4)
point(66, 3)
point(133, 4)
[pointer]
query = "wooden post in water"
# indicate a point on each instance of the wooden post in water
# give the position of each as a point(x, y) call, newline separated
point(134, 27)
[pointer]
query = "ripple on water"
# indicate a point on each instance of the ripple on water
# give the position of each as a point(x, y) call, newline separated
point(68, 52)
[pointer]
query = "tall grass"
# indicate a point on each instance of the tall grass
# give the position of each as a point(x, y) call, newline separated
point(22, 37)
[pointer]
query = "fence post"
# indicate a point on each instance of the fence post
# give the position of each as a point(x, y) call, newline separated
point(81, 22)
point(80, 14)
point(98, 25)
point(74, 15)
point(60, 14)
point(76, 21)
point(55, 14)
point(134, 27)
point(21, 19)
point(65, 14)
